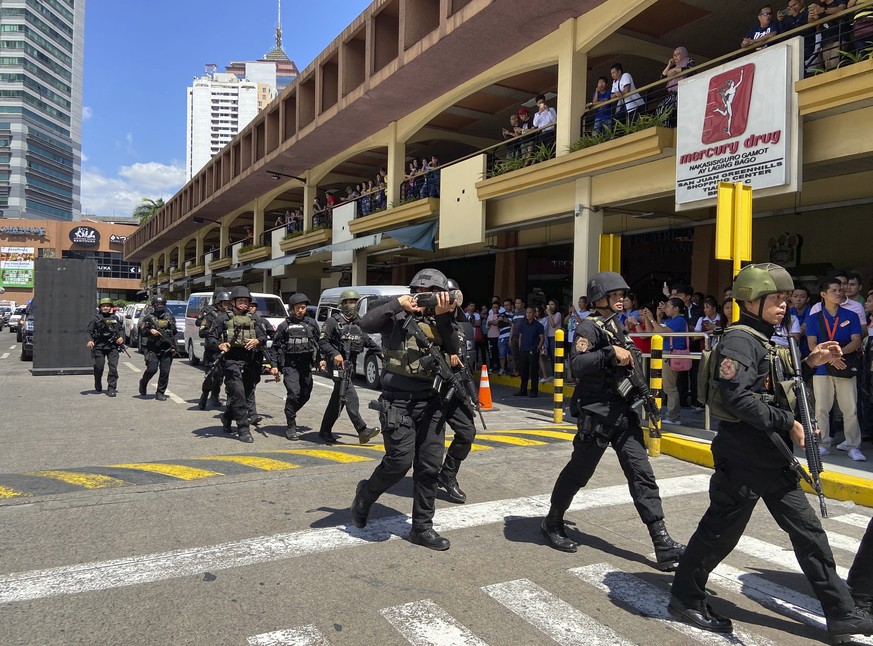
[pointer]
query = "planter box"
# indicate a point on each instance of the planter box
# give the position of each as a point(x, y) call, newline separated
point(195, 270)
point(216, 265)
point(835, 89)
point(258, 253)
point(311, 239)
point(404, 214)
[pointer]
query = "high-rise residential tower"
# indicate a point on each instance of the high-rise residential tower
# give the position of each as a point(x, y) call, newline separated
point(41, 60)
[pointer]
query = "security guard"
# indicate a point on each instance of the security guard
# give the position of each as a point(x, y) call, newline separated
point(340, 343)
point(410, 408)
point(205, 320)
point(159, 330)
point(294, 353)
point(600, 360)
point(749, 466)
point(458, 416)
point(105, 339)
point(238, 337)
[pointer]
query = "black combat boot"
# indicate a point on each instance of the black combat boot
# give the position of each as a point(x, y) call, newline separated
point(448, 480)
point(429, 538)
point(856, 622)
point(327, 437)
point(367, 434)
point(360, 507)
point(142, 389)
point(214, 401)
point(161, 397)
point(667, 551)
point(291, 432)
point(245, 435)
point(98, 386)
point(112, 392)
point(700, 617)
point(225, 423)
point(552, 528)
point(863, 601)
point(202, 403)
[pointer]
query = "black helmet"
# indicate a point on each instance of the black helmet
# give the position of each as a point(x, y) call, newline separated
point(604, 282)
point(429, 279)
point(221, 295)
point(240, 292)
point(215, 294)
point(298, 298)
point(159, 301)
point(451, 283)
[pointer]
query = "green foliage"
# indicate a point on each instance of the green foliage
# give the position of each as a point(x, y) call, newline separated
point(620, 129)
point(144, 211)
point(850, 58)
point(292, 234)
point(250, 247)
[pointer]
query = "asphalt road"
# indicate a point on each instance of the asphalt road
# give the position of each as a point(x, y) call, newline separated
point(257, 555)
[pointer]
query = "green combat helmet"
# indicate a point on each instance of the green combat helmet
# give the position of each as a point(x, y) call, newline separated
point(105, 301)
point(349, 310)
point(756, 281)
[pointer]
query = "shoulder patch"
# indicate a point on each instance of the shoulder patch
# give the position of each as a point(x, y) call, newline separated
point(582, 344)
point(728, 369)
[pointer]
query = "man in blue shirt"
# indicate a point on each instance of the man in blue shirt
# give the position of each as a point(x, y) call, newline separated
point(531, 336)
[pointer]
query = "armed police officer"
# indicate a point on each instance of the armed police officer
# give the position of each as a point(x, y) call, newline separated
point(159, 330)
point(295, 352)
point(750, 465)
point(105, 339)
point(602, 359)
point(340, 343)
point(214, 373)
point(239, 338)
point(410, 407)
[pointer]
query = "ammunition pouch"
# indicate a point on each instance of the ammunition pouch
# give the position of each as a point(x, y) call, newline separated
point(592, 429)
point(389, 417)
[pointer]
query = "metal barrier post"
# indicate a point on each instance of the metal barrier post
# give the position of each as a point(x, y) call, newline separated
point(653, 432)
point(558, 413)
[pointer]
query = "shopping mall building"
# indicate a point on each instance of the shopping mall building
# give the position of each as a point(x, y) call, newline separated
point(412, 79)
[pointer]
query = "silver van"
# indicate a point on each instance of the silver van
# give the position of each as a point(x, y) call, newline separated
point(270, 307)
point(368, 363)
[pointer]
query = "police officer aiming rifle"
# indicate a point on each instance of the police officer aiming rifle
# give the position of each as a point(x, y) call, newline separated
point(105, 339)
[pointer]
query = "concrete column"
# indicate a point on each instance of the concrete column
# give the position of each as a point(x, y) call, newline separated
point(199, 251)
point(359, 267)
point(267, 287)
point(224, 238)
point(572, 80)
point(588, 227)
point(257, 222)
point(396, 165)
point(309, 192)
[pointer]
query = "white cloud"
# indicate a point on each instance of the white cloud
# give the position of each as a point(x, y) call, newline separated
point(87, 113)
point(105, 195)
point(84, 157)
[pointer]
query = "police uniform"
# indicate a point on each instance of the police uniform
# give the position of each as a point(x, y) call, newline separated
point(748, 467)
point(159, 349)
point(861, 574)
point(343, 337)
point(214, 374)
point(104, 330)
point(294, 353)
point(606, 418)
point(241, 367)
point(409, 412)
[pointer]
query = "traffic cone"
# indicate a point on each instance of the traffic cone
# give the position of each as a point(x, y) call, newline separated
point(485, 402)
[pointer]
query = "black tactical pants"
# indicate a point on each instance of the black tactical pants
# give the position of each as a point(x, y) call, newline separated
point(412, 431)
point(861, 575)
point(103, 356)
point(155, 362)
point(213, 378)
point(631, 452)
point(240, 378)
point(352, 407)
point(298, 387)
point(460, 420)
point(733, 493)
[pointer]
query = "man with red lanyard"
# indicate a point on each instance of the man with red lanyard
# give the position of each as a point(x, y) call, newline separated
point(836, 380)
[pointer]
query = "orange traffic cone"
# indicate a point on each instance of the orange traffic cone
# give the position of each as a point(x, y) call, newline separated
point(485, 391)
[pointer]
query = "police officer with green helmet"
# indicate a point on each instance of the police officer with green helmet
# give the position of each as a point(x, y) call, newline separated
point(105, 337)
point(205, 320)
point(410, 412)
point(341, 341)
point(749, 466)
point(158, 328)
point(239, 337)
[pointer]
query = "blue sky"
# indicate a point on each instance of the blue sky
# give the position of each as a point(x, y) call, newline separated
point(140, 56)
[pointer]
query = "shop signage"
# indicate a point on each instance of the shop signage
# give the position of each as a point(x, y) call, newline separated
point(785, 249)
point(16, 267)
point(114, 239)
point(23, 231)
point(85, 236)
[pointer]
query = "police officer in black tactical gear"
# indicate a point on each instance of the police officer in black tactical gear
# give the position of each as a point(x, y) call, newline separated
point(239, 337)
point(860, 578)
point(158, 329)
point(205, 320)
point(294, 353)
point(600, 359)
point(106, 337)
point(458, 416)
point(264, 358)
point(340, 343)
point(750, 466)
point(410, 412)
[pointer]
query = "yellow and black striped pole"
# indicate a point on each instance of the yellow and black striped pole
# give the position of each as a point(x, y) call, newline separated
point(559, 377)
point(653, 432)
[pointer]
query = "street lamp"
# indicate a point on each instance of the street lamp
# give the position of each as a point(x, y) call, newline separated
point(276, 175)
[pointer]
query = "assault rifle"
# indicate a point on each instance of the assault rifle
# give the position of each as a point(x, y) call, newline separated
point(460, 386)
point(344, 374)
point(810, 439)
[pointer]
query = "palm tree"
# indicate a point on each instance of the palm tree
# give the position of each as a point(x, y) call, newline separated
point(147, 208)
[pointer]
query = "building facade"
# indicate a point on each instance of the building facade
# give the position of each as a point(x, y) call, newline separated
point(41, 59)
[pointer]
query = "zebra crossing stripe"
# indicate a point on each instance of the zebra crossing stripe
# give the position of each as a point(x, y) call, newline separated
point(856, 520)
point(424, 623)
point(302, 636)
point(780, 556)
point(650, 602)
point(551, 615)
point(845, 543)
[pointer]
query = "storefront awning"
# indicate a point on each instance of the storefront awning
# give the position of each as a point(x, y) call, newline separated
point(417, 236)
point(234, 273)
point(272, 263)
point(350, 245)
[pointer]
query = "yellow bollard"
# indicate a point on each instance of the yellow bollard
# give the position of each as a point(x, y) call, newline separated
point(558, 413)
point(653, 432)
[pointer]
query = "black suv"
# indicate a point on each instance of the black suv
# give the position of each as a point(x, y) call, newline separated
point(25, 328)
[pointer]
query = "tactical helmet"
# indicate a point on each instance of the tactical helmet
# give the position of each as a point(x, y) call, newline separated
point(104, 301)
point(756, 281)
point(159, 300)
point(222, 295)
point(349, 310)
point(349, 294)
point(215, 294)
point(604, 282)
point(240, 291)
point(298, 298)
point(429, 279)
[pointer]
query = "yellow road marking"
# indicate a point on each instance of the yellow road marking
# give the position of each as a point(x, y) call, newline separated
point(473, 447)
point(85, 480)
point(266, 464)
point(172, 470)
point(6, 492)
point(372, 447)
point(335, 456)
point(505, 439)
point(558, 435)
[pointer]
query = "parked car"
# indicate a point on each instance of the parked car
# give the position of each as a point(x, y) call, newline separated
point(177, 309)
point(26, 325)
point(5, 313)
point(14, 318)
point(130, 318)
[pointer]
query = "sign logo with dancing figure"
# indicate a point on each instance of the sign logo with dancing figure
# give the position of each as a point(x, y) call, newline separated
point(727, 104)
